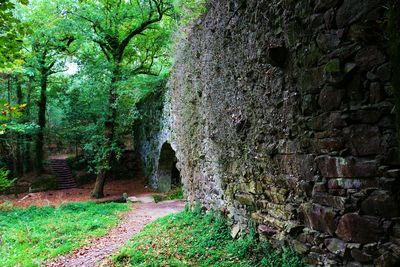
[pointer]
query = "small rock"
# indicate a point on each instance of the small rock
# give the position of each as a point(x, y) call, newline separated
point(330, 98)
point(299, 247)
point(235, 231)
point(353, 10)
point(335, 246)
point(369, 57)
point(360, 255)
point(266, 230)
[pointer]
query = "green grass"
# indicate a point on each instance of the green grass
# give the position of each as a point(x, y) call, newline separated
point(176, 193)
point(29, 237)
point(192, 239)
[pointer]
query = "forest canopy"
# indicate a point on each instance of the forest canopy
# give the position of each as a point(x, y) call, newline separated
point(69, 70)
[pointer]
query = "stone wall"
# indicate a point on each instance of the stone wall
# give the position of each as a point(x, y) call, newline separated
point(153, 131)
point(283, 117)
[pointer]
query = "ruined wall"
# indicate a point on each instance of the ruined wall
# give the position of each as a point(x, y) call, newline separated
point(154, 130)
point(283, 116)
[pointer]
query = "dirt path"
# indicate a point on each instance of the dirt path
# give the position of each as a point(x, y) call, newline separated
point(100, 248)
point(113, 189)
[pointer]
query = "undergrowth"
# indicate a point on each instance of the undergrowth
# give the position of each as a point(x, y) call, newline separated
point(29, 237)
point(193, 239)
point(176, 193)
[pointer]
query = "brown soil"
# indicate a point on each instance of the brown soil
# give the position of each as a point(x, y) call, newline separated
point(113, 190)
point(99, 249)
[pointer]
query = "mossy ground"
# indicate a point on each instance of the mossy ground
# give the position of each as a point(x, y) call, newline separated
point(175, 193)
point(29, 237)
point(193, 239)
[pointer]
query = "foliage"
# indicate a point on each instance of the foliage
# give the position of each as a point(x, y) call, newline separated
point(5, 183)
point(10, 33)
point(192, 239)
point(122, 51)
point(44, 183)
point(176, 193)
point(29, 237)
point(9, 113)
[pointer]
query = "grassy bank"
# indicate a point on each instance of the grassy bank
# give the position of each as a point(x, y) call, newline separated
point(193, 239)
point(28, 237)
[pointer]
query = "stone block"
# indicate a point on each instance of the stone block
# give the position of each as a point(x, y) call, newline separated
point(299, 247)
point(266, 230)
point(363, 140)
point(277, 195)
point(369, 57)
point(311, 80)
point(330, 98)
point(360, 229)
point(384, 72)
point(360, 255)
point(335, 246)
point(328, 121)
point(353, 10)
point(330, 201)
point(327, 145)
point(343, 183)
point(325, 4)
point(279, 211)
point(375, 93)
point(339, 167)
point(319, 218)
point(380, 203)
point(245, 199)
point(365, 116)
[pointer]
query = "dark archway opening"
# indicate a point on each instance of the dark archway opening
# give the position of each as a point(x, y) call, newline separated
point(168, 174)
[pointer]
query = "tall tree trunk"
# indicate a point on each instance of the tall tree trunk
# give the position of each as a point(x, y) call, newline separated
point(18, 156)
point(109, 134)
point(27, 158)
point(41, 123)
point(9, 88)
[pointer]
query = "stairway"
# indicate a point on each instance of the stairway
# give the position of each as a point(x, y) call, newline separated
point(64, 176)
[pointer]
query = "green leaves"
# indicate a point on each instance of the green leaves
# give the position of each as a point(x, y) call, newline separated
point(8, 115)
point(11, 33)
point(5, 183)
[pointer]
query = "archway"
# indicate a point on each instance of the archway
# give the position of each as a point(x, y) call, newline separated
point(168, 174)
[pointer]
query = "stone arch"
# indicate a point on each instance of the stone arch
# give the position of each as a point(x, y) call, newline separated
point(168, 174)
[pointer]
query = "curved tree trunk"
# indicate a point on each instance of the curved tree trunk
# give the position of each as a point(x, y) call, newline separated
point(109, 134)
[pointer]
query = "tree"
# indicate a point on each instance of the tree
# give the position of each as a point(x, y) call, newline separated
point(131, 36)
point(10, 33)
point(50, 39)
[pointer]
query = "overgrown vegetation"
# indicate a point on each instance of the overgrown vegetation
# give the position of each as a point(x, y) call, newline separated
point(175, 193)
point(79, 69)
point(29, 237)
point(194, 239)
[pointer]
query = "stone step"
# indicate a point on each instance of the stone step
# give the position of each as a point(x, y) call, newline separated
point(63, 173)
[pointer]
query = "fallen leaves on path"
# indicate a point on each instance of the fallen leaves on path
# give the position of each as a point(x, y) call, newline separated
point(135, 220)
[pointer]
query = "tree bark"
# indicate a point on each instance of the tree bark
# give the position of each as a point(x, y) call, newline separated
point(41, 123)
point(27, 157)
point(109, 135)
point(9, 88)
point(19, 162)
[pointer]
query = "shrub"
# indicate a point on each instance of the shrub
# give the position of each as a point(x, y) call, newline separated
point(5, 183)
